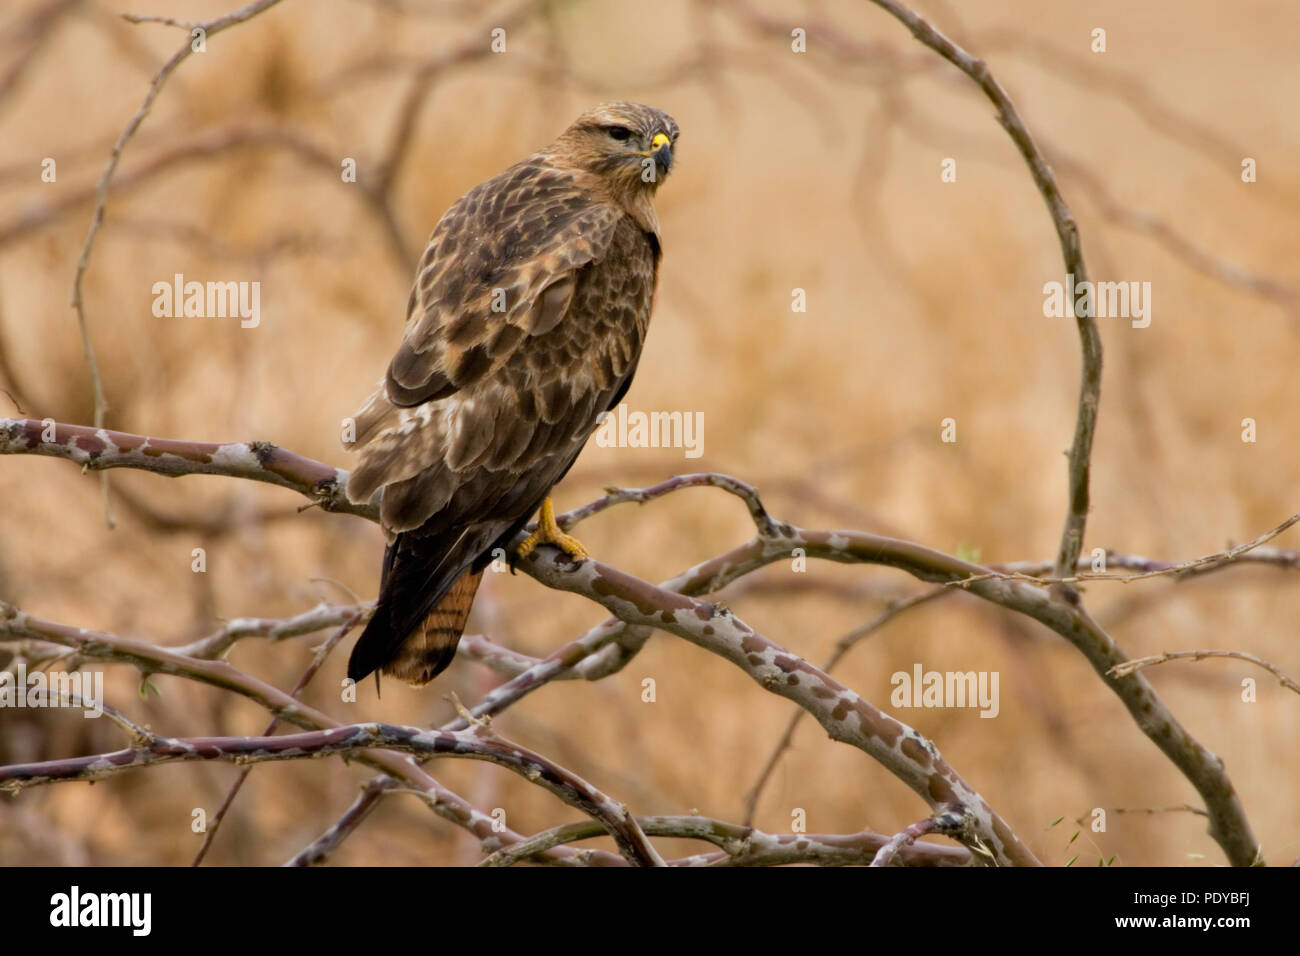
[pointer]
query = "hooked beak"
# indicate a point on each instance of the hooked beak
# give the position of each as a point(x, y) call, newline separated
point(661, 148)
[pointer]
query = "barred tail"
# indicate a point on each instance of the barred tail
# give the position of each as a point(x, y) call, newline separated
point(429, 648)
point(425, 594)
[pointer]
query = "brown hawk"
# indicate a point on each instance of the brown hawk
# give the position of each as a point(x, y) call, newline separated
point(524, 327)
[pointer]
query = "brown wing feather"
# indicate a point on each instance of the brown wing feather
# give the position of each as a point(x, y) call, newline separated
point(487, 277)
point(488, 286)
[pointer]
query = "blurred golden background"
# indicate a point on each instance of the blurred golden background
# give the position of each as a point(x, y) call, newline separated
point(817, 171)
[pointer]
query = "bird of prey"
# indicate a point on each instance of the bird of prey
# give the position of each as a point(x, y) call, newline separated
point(524, 327)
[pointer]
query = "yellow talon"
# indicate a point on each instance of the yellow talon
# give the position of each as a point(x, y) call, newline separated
point(548, 532)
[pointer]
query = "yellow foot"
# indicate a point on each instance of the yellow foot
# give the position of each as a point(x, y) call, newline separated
point(548, 532)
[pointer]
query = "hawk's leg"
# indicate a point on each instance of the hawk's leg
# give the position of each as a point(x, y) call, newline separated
point(548, 532)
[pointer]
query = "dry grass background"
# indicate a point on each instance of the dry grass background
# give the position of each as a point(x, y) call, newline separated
point(924, 303)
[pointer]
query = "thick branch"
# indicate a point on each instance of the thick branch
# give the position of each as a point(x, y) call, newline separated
point(98, 448)
point(846, 716)
point(209, 28)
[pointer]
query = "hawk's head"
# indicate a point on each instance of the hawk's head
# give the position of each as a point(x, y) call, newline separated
point(629, 144)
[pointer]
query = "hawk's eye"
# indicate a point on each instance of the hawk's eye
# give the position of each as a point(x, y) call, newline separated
point(618, 132)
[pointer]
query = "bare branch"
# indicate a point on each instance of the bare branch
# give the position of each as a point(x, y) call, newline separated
point(644, 605)
point(1067, 232)
point(321, 653)
point(1135, 665)
point(150, 659)
point(34, 31)
point(1184, 808)
point(99, 448)
point(842, 647)
point(351, 740)
point(471, 48)
point(767, 528)
point(849, 50)
point(210, 28)
point(846, 716)
point(329, 841)
point(940, 823)
point(1205, 770)
point(745, 846)
point(215, 645)
point(217, 142)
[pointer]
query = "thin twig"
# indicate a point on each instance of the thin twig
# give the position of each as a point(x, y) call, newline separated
point(1067, 232)
point(1130, 667)
point(210, 28)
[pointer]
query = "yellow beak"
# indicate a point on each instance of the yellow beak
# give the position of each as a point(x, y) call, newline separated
point(661, 148)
